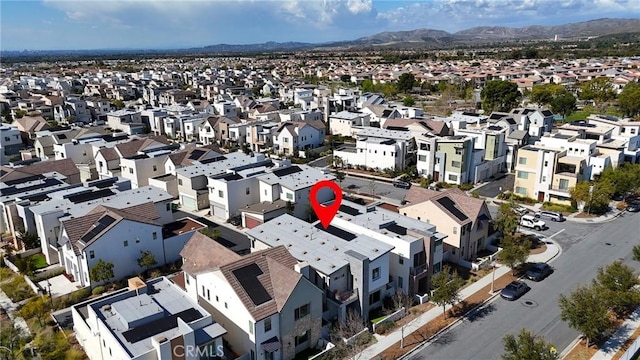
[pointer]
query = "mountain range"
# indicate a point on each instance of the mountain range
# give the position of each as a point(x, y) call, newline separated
point(414, 39)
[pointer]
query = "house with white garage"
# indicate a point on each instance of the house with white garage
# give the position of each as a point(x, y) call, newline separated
point(268, 307)
point(345, 123)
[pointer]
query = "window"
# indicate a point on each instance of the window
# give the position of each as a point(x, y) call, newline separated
point(455, 230)
point(455, 164)
point(208, 294)
point(155, 235)
point(267, 324)
point(522, 161)
point(155, 168)
point(217, 298)
point(301, 339)
point(459, 151)
point(437, 267)
point(226, 306)
point(521, 190)
point(400, 260)
point(302, 311)
point(400, 282)
point(523, 175)
point(179, 181)
point(374, 297)
point(453, 177)
point(126, 243)
point(186, 278)
point(250, 327)
point(375, 274)
point(546, 163)
point(564, 184)
point(220, 194)
point(92, 254)
point(130, 170)
point(248, 190)
point(137, 239)
point(633, 131)
point(289, 196)
point(422, 158)
point(168, 206)
point(203, 289)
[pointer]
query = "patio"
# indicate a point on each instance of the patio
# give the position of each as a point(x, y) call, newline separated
point(59, 285)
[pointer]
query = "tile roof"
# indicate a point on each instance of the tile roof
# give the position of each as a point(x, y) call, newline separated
point(109, 154)
point(470, 206)
point(65, 167)
point(201, 254)
point(278, 278)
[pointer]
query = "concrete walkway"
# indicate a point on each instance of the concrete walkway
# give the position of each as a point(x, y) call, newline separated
point(389, 340)
point(11, 308)
point(609, 215)
point(615, 342)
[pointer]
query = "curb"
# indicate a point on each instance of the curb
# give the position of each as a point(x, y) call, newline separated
point(446, 328)
point(570, 348)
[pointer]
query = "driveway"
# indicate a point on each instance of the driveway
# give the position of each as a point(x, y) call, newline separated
point(492, 189)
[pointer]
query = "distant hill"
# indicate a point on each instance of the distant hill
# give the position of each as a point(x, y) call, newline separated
point(413, 39)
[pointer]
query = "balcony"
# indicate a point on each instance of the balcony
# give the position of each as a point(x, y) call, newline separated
point(415, 271)
point(346, 296)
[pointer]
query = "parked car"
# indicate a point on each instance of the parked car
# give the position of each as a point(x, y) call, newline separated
point(235, 221)
point(634, 206)
point(402, 184)
point(539, 271)
point(552, 215)
point(532, 222)
point(521, 210)
point(514, 290)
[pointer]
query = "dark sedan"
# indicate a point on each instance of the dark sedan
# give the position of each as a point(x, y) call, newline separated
point(539, 271)
point(634, 206)
point(514, 290)
point(402, 184)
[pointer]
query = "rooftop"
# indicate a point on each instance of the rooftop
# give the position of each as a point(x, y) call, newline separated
point(321, 249)
point(296, 177)
point(235, 161)
point(384, 133)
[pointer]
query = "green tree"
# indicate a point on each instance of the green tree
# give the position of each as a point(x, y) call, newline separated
point(499, 95)
point(600, 90)
point(545, 93)
point(636, 253)
point(37, 307)
point(211, 232)
point(389, 90)
point(585, 311)
point(28, 240)
point(507, 219)
point(616, 285)
point(101, 271)
point(594, 195)
point(406, 82)
point(119, 104)
point(408, 101)
point(368, 86)
point(624, 178)
point(513, 252)
point(527, 346)
point(564, 104)
point(446, 288)
point(629, 99)
point(256, 91)
point(147, 260)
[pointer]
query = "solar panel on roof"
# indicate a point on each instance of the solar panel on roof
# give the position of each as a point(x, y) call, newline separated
point(196, 154)
point(248, 278)
point(161, 325)
point(342, 234)
point(349, 210)
point(90, 196)
point(287, 171)
point(448, 204)
point(397, 229)
point(62, 136)
point(100, 225)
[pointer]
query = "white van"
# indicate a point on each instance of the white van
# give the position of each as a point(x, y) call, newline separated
point(532, 222)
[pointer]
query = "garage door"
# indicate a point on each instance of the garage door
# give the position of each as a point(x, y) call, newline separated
point(188, 202)
point(219, 212)
point(250, 222)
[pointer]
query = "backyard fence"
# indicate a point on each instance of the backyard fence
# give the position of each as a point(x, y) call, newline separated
point(399, 314)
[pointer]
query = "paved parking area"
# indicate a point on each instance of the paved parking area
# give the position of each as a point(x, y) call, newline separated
point(492, 189)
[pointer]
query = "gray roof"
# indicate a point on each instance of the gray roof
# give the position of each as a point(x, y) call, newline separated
point(129, 312)
point(307, 177)
point(311, 243)
point(234, 160)
point(384, 133)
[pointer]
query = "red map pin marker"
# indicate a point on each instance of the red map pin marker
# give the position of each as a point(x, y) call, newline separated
point(325, 213)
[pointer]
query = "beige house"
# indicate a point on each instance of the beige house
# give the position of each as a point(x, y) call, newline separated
point(464, 219)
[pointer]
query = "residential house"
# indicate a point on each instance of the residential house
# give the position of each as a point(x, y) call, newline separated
point(152, 320)
point(345, 123)
point(379, 149)
point(10, 143)
point(270, 310)
point(85, 240)
point(351, 269)
point(540, 120)
point(463, 219)
point(291, 137)
point(625, 130)
point(29, 126)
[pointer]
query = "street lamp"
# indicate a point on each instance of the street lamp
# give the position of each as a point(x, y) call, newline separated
point(49, 290)
point(493, 277)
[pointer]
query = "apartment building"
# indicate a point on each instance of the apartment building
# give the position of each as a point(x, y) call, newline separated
point(535, 174)
point(489, 151)
point(453, 159)
point(152, 320)
point(346, 123)
point(269, 309)
point(379, 149)
point(624, 130)
point(351, 269)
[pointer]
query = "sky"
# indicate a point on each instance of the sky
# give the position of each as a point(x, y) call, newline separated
point(169, 24)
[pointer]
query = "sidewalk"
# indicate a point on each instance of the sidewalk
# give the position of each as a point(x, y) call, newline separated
point(389, 340)
point(610, 215)
point(615, 342)
point(10, 307)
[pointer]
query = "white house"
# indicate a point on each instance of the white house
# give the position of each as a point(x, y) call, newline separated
point(291, 137)
point(345, 123)
point(379, 149)
point(10, 143)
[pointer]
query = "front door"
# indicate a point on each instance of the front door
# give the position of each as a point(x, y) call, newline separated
point(540, 196)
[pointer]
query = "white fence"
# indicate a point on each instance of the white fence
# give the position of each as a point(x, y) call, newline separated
point(10, 265)
point(36, 289)
point(631, 351)
point(399, 314)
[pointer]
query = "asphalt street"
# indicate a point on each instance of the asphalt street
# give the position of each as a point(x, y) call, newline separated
point(383, 189)
point(590, 246)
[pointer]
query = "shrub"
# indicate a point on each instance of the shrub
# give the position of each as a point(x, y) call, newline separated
point(17, 289)
point(466, 187)
point(79, 295)
point(383, 328)
point(558, 207)
point(443, 185)
point(97, 290)
point(475, 194)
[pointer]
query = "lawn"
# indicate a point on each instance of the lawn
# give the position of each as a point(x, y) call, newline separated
point(37, 261)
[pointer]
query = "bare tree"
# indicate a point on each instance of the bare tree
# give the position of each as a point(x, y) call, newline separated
point(372, 187)
point(342, 335)
point(400, 300)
